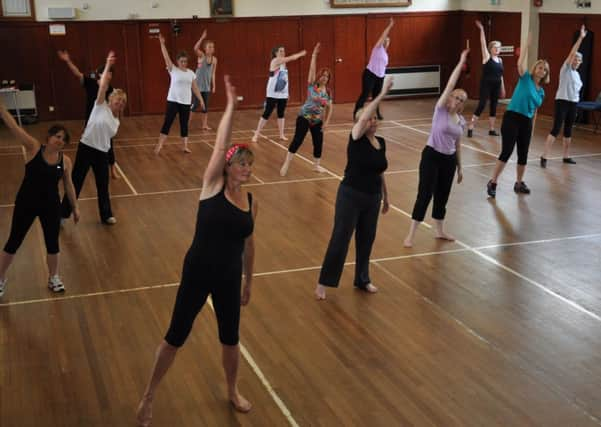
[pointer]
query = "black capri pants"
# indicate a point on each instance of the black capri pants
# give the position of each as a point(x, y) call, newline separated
point(370, 83)
point(489, 89)
point(436, 173)
point(199, 280)
point(111, 154)
point(173, 109)
point(270, 104)
point(516, 129)
point(565, 113)
point(302, 127)
point(196, 102)
point(23, 216)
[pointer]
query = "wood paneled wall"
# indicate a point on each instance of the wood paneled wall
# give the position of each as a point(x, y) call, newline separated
point(243, 46)
point(555, 41)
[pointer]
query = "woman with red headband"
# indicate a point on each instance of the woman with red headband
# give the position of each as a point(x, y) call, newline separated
point(311, 115)
point(221, 250)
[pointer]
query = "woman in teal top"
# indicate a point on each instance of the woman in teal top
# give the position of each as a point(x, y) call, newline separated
point(314, 115)
point(518, 120)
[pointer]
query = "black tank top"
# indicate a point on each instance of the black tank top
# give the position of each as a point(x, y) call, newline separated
point(492, 70)
point(365, 165)
point(221, 228)
point(40, 183)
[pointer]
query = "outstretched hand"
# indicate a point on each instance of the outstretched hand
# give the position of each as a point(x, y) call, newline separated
point(464, 53)
point(204, 34)
point(111, 59)
point(316, 48)
point(391, 22)
point(230, 90)
point(479, 25)
point(63, 55)
point(583, 31)
point(161, 38)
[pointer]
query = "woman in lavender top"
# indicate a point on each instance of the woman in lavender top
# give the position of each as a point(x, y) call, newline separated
point(373, 75)
point(441, 157)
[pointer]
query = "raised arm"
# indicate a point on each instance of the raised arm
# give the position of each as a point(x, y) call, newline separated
point(168, 62)
point(576, 46)
point(384, 34)
point(360, 127)
point(64, 56)
point(198, 44)
point(313, 65)
point(29, 142)
point(452, 79)
point(294, 57)
point(522, 65)
point(483, 46)
point(105, 80)
point(213, 176)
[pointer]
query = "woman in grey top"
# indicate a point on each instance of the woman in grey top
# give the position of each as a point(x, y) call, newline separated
point(206, 68)
point(568, 95)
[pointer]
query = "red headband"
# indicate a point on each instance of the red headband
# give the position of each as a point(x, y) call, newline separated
point(233, 150)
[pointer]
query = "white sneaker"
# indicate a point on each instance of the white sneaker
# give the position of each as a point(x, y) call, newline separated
point(55, 284)
point(110, 220)
point(2, 286)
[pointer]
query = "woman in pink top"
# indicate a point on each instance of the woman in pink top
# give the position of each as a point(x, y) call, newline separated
point(373, 75)
point(441, 157)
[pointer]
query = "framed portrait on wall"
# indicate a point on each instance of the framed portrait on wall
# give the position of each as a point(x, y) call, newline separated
point(369, 3)
point(222, 7)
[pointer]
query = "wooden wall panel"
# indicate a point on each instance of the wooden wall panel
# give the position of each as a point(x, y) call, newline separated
point(317, 29)
point(154, 78)
point(350, 56)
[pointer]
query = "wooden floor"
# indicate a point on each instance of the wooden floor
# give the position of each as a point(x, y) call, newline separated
point(500, 328)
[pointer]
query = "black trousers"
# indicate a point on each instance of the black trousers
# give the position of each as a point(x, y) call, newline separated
point(196, 102)
point(356, 212)
point(516, 129)
point(85, 158)
point(488, 90)
point(111, 154)
point(565, 114)
point(270, 104)
point(173, 109)
point(370, 84)
point(302, 127)
point(436, 173)
point(23, 216)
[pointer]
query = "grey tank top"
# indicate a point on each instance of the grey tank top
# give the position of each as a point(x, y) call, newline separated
point(204, 72)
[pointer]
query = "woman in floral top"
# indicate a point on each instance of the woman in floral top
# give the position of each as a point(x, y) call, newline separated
point(311, 115)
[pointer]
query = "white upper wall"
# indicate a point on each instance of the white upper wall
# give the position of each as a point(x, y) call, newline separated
point(165, 9)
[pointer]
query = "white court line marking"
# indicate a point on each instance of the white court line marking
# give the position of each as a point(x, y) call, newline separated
point(259, 373)
point(127, 181)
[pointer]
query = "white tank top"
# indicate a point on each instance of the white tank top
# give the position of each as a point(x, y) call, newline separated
point(277, 85)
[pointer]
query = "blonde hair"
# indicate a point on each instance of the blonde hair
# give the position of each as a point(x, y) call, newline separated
point(242, 154)
point(547, 78)
point(493, 44)
point(461, 92)
point(120, 93)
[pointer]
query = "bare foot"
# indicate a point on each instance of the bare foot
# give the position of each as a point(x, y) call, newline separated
point(144, 413)
point(157, 149)
point(240, 403)
point(187, 150)
point(283, 138)
point(318, 169)
point(445, 236)
point(370, 288)
point(206, 128)
point(255, 137)
point(320, 292)
point(408, 243)
point(114, 173)
point(284, 169)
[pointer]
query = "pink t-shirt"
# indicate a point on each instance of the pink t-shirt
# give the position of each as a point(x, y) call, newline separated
point(445, 131)
point(378, 61)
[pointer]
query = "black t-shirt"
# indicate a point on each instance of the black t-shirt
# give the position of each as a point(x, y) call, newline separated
point(365, 165)
point(90, 85)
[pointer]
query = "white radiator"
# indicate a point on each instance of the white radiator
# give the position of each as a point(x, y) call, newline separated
point(417, 80)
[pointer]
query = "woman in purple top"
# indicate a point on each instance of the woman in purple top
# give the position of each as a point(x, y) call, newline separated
point(373, 75)
point(441, 157)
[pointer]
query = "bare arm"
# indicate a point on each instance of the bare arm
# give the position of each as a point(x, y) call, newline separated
point(168, 62)
point(248, 260)
point(197, 94)
point(502, 94)
point(214, 75)
point(313, 65)
point(576, 46)
point(452, 79)
point(329, 111)
point(362, 123)
point(213, 176)
point(458, 157)
point(64, 55)
point(105, 80)
point(384, 34)
point(483, 46)
point(385, 204)
point(276, 62)
point(29, 142)
point(198, 44)
point(70, 189)
point(522, 65)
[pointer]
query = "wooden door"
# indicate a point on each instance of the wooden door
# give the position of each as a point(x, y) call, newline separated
point(349, 56)
point(154, 76)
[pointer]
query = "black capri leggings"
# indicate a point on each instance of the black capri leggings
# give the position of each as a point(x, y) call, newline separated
point(302, 127)
point(436, 172)
point(196, 102)
point(488, 89)
point(270, 104)
point(515, 129)
point(173, 109)
point(370, 83)
point(24, 214)
point(565, 113)
point(199, 279)
point(111, 154)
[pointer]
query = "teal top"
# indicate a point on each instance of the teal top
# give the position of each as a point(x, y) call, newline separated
point(526, 97)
